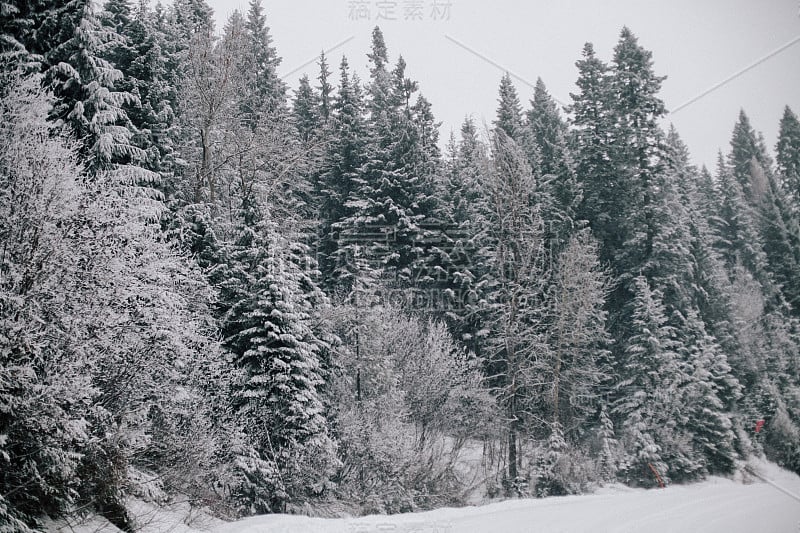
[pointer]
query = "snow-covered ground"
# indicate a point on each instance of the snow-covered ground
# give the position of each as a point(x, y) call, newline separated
point(716, 505)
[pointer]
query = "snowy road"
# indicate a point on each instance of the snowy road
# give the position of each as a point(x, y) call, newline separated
point(716, 505)
point(713, 506)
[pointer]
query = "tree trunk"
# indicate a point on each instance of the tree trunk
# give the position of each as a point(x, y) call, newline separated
point(556, 384)
point(512, 453)
point(513, 458)
point(207, 173)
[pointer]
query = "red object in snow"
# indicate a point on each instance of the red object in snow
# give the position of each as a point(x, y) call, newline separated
point(660, 481)
point(759, 426)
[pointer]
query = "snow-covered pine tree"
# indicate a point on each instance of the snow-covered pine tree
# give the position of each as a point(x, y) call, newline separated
point(268, 328)
point(141, 52)
point(394, 188)
point(305, 110)
point(509, 110)
point(516, 273)
point(738, 239)
point(464, 210)
point(591, 120)
point(84, 83)
point(647, 406)
point(709, 397)
point(559, 190)
point(266, 92)
point(788, 155)
point(337, 247)
point(325, 89)
point(638, 153)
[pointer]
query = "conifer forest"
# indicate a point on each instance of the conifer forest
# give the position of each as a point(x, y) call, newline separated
point(270, 300)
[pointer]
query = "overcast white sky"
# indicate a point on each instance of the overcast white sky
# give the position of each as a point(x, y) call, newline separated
point(697, 44)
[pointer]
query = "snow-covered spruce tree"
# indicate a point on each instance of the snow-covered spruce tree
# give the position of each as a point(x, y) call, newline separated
point(509, 110)
point(145, 52)
point(611, 455)
point(775, 217)
point(515, 277)
point(315, 135)
point(426, 168)
point(84, 84)
point(548, 477)
point(338, 182)
point(636, 199)
point(667, 238)
point(266, 92)
point(463, 208)
point(91, 97)
point(268, 329)
point(621, 164)
point(757, 235)
point(714, 293)
point(18, 20)
point(325, 89)
point(591, 122)
point(312, 116)
point(690, 274)
point(747, 148)
point(394, 191)
point(710, 395)
point(780, 232)
point(305, 110)
point(647, 406)
point(788, 155)
point(684, 263)
point(559, 190)
point(638, 154)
